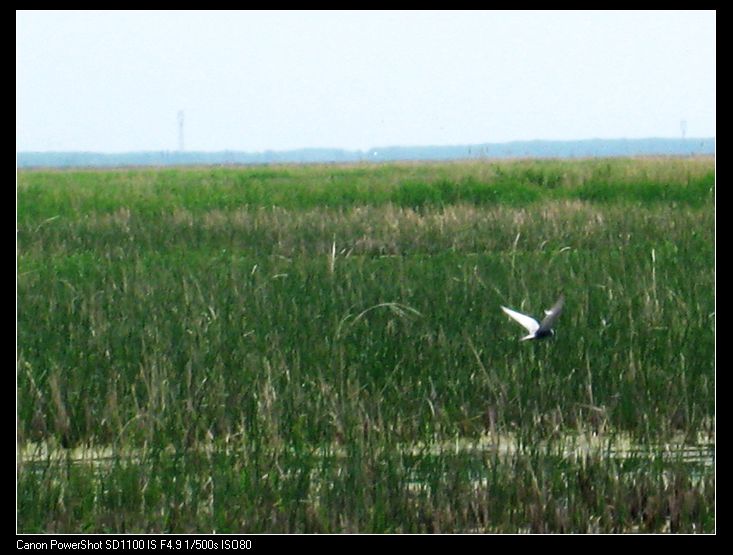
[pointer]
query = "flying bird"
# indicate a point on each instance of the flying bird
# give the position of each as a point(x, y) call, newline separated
point(536, 329)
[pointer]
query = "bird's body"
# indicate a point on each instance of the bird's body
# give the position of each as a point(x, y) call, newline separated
point(538, 330)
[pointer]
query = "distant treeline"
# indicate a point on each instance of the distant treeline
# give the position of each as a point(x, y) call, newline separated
point(517, 149)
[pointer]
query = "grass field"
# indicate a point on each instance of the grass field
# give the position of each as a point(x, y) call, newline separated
point(321, 348)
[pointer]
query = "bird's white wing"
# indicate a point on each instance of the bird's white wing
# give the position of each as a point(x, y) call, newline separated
point(527, 321)
point(553, 313)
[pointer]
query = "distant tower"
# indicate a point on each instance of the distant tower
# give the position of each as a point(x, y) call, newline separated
point(180, 130)
point(683, 128)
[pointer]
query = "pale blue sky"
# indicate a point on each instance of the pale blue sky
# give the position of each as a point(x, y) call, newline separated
point(253, 81)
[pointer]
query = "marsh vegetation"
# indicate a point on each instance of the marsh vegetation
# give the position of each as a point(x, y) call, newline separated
point(321, 348)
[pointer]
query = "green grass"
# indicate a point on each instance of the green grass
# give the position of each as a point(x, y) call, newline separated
point(74, 194)
point(260, 348)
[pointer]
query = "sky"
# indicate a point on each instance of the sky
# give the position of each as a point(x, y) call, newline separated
point(107, 81)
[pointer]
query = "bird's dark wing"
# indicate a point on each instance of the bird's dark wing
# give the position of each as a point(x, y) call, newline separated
point(552, 315)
